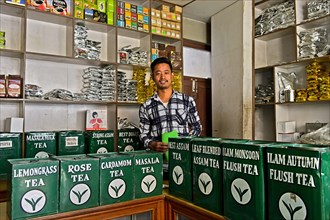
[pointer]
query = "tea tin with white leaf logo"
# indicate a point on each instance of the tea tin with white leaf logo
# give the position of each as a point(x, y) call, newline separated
point(99, 141)
point(79, 182)
point(33, 188)
point(207, 173)
point(180, 168)
point(40, 144)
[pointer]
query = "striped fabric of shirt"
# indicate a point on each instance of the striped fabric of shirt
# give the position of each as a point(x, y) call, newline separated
point(180, 115)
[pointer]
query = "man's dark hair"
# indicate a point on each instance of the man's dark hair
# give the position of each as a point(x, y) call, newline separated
point(158, 61)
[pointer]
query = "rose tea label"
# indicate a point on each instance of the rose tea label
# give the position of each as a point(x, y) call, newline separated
point(10, 148)
point(70, 142)
point(99, 141)
point(128, 139)
point(207, 173)
point(79, 182)
point(180, 168)
point(148, 174)
point(298, 182)
point(33, 188)
point(40, 144)
point(116, 177)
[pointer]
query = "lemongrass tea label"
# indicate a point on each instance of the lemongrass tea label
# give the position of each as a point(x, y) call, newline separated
point(79, 182)
point(243, 175)
point(10, 148)
point(99, 141)
point(71, 142)
point(128, 139)
point(40, 144)
point(148, 170)
point(207, 174)
point(116, 178)
point(180, 168)
point(298, 182)
point(33, 188)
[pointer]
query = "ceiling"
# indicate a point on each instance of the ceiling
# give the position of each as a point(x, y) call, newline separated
point(202, 10)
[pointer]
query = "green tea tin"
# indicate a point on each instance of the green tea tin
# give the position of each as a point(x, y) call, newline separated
point(99, 141)
point(79, 182)
point(70, 142)
point(298, 181)
point(128, 139)
point(10, 148)
point(40, 144)
point(33, 188)
point(116, 177)
point(207, 174)
point(148, 174)
point(180, 168)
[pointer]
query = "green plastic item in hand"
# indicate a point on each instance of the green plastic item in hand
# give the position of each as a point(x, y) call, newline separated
point(166, 136)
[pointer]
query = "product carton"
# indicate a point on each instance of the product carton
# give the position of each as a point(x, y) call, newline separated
point(70, 142)
point(128, 139)
point(40, 144)
point(99, 141)
point(33, 188)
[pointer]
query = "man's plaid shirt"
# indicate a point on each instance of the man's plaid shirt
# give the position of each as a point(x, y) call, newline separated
point(180, 115)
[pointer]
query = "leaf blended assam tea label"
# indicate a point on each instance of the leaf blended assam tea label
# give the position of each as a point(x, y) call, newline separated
point(148, 174)
point(180, 168)
point(40, 144)
point(79, 182)
point(207, 174)
point(298, 182)
point(99, 141)
point(128, 139)
point(70, 142)
point(116, 178)
point(33, 188)
point(10, 148)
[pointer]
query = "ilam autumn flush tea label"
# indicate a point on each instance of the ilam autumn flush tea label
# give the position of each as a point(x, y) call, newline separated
point(33, 188)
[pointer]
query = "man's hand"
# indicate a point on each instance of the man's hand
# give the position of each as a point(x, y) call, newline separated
point(158, 146)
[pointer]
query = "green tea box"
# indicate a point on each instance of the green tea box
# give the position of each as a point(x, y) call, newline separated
point(116, 177)
point(99, 141)
point(298, 181)
point(79, 182)
point(243, 179)
point(10, 148)
point(207, 174)
point(33, 188)
point(148, 174)
point(180, 168)
point(128, 139)
point(40, 144)
point(70, 142)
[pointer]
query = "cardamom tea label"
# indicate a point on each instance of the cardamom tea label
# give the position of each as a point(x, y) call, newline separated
point(100, 141)
point(40, 144)
point(297, 179)
point(207, 172)
point(79, 182)
point(116, 182)
point(180, 168)
point(148, 170)
point(33, 188)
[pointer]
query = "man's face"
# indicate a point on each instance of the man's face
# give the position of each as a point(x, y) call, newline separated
point(163, 76)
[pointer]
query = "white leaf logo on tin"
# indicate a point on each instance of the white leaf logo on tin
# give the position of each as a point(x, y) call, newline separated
point(117, 188)
point(177, 175)
point(292, 206)
point(129, 148)
point(205, 183)
point(148, 184)
point(80, 193)
point(102, 150)
point(33, 201)
point(241, 191)
point(41, 154)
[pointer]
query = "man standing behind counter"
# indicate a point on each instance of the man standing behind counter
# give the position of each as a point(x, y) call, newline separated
point(167, 110)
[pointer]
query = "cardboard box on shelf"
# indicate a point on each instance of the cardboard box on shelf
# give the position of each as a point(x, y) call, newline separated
point(14, 124)
point(286, 126)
